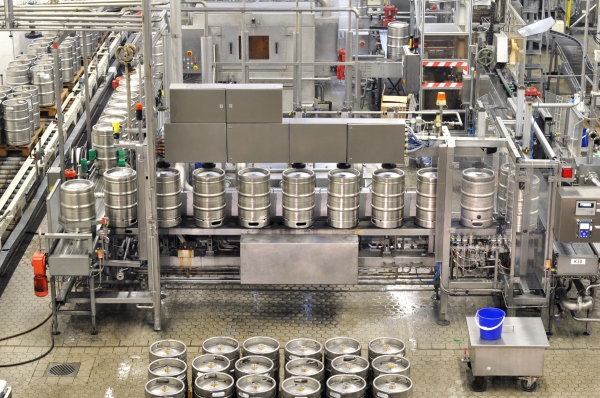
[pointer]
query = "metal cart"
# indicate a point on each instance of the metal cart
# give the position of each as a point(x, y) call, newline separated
point(519, 352)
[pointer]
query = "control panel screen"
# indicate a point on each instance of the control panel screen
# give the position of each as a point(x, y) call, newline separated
point(585, 205)
point(585, 208)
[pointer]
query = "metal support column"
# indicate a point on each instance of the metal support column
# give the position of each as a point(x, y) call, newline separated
point(59, 114)
point(86, 86)
point(176, 60)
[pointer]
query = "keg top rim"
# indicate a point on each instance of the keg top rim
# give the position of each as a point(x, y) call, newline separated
point(308, 384)
point(17, 68)
point(265, 383)
point(382, 382)
point(429, 172)
point(478, 174)
point(254, 172)
point(26, 88)
point(120, 172)
point(338, 362)
point(104, 127)
point(169, 172)
point(14, 101)
point(8, 88)
point(298, 173)
point(24, 94)
point(223, 380)
point(112, 118)
point(339, 383)
point(115, 111)
point(216, 172)
point(387, 359)
point(77, 184)
point(344, 173)
point(388, 174)
point(175, 363)
point(165, 386)
point(42, 66)
point(398, 24)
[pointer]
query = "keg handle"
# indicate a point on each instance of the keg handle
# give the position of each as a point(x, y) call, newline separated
point(144, 307)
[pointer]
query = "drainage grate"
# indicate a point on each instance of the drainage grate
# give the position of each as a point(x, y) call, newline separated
point(62, 369)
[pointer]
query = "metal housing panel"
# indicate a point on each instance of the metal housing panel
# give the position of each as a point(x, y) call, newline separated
point(254, 103)
point(376, 141)
point(575, 259)
point(299, 259)
point(318, 140)
point(69, 265)
point(197, 103)
point(191, 44)
point(195, 142)
point(567, 221)
point(258, 143)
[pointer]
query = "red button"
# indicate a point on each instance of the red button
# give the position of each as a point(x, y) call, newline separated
point(567, 172)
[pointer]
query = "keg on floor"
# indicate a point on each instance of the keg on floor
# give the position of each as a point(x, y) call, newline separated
point(65, 52)
point(17, 121)
point(532, 195)
point(256, 386)
point(167, 349)
point(426, 197)
point(29, 98)
point(338, 346)
point(387, 203)
point(120, 196)
point(43, 77)
point(392, 386)
point(17, 76)
point(390, 364)
point(103, 141)
point(223, 345)
point(398, 37)
point(209, 197)
point(254, 365)
point(213, 385)
point(503, 188)
point(477, 197)
point(168, 198)
point(300, 387)
point(169, 367)
point(266, 347)
point(386, 346)
point(354, 365)
point(165, 387)
point(346, 386)
point(254, 197)
point(303, 367)
point(343, 198)
point(210, 363)
point(298, 197)
point(33, 90)
point(303, 348)
point(77, 205)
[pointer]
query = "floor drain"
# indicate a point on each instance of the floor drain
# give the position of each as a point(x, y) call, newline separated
point(62, 369)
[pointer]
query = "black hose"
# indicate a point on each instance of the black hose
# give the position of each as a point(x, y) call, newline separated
point(10, 365)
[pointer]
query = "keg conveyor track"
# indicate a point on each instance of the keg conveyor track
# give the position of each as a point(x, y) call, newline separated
point(570, 52)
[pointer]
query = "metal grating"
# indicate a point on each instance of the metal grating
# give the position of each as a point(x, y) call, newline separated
point(62, 369)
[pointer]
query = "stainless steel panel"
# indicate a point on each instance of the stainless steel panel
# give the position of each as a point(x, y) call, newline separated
point(326, 29)
point(412, 70)
point(567, 222)
point(258, 143)
point(195, 142)
point(198, 103)
point(69, 265)
point(519, 352)
point(254, 103)
point(575, 259)
point(376, 141)
point(190, 42)
point(299, 259)
point(318, 140)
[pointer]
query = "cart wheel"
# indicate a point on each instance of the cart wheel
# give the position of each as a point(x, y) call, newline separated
point(531, 388)
point(479, 384)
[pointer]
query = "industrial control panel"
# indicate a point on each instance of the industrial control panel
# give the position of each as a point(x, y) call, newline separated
point(190, 45)
point(577, 214)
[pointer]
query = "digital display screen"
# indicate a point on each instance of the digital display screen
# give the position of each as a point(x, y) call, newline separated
point(584, 225)
point(585, 205)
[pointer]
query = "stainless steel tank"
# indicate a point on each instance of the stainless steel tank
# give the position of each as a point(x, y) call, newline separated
point(254, 365)
point(213, 385)
point(120, 196)
point(33, 90)
point(503, 188)
point(300, 387)
point(387, 202)
point(168, 198)
point(209, 197)
point(103, 142)
point(477, 198)
point(254, 197)
point(17, 75)
point(65, 52)
point(165, 387)
point(77, 205)
point(338, 346)
point(390, 364)
point(210, 363)
point(256, 386)
point(532, 195)
point(43, 77)
point(303, 367)
point(385, 346)
point(343, 198)
point(346, 386)
point(392, 386)
point(303, 348)
point(167, 349)
point(29, 98)
point(351, 365)
point(298, 197)
point(398, 36)
point(17, 121)
point(426, 197)
point(169, 367)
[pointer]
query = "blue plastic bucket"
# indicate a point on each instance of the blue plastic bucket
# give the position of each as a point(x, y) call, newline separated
point(490, 322)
